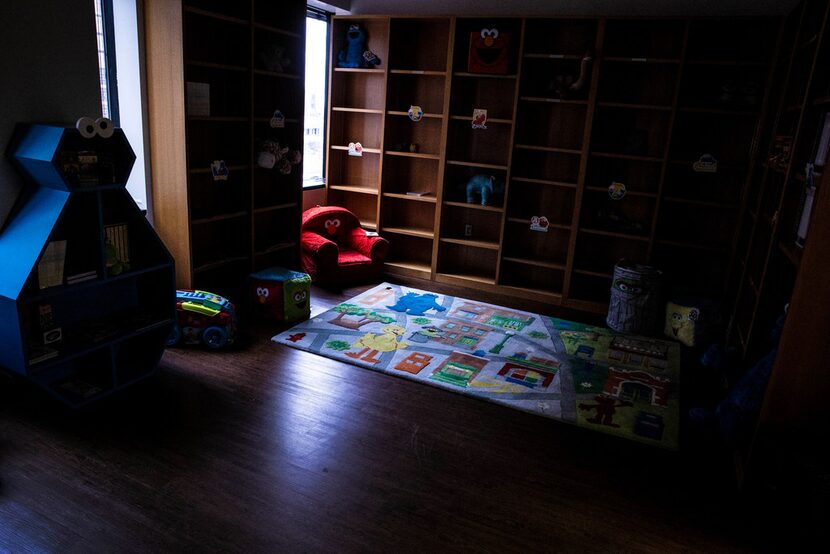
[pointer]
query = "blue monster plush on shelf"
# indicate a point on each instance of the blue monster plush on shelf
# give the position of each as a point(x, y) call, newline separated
point(483, 185)
point(355, 55)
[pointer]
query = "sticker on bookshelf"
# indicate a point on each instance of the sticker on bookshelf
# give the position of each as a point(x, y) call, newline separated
point(706, 164)
point(277, 120)
point(617, 190)
point(415, 113)
point(219, 170)
point(479, 118)
point(539, 223)
point(355, 149)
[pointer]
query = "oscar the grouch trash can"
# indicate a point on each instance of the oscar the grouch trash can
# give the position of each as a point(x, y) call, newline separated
point(635, 298)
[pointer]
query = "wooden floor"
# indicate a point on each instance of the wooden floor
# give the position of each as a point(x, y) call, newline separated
point(266, 448)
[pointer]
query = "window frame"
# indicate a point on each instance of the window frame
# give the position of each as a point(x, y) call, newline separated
point(321, 15)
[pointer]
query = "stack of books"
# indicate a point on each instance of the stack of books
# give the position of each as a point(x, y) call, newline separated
point(81, 277)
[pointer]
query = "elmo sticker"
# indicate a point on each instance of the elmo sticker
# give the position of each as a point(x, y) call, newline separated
point(488, 52)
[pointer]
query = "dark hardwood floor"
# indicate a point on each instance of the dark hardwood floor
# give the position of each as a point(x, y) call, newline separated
point(266, 448)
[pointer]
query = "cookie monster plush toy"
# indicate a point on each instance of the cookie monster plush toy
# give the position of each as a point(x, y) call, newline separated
point(355, 54)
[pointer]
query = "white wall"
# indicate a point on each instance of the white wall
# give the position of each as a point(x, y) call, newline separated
point(574, 7)
point(48, 72)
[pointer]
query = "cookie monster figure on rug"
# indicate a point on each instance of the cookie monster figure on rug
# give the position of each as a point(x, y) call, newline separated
point(356, 55)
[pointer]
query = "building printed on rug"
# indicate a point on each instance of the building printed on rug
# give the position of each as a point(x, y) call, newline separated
point(414, 363)
point(452, 333)
point(637, 386)
point(352, 316)
point(525, 376)
point(638, 352)
point(491, 315)
point(459, 369)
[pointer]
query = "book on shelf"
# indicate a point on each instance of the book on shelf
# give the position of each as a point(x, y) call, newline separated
point(81, 277)
point(80, 389)
point(38, 354)
point(117, 248)
point(418, 193)
point(50, 266)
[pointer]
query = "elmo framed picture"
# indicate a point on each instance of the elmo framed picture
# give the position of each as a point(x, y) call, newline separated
point(489, 52)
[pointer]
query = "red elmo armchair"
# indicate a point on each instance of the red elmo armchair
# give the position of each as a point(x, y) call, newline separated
point(336, 250)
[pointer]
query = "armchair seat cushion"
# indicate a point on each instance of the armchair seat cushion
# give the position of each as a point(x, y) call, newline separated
point(347, 256)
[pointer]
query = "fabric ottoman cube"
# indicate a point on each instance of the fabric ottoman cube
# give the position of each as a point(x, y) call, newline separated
point(281, 294)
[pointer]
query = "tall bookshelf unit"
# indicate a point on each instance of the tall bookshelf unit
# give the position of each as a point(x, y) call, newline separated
point(90, 328)
point(217, 72)
point(657, 101)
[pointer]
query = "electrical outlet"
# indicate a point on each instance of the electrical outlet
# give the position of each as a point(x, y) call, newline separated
point(468, 230)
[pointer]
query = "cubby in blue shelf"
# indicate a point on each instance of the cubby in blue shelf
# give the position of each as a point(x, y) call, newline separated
point(114, 305)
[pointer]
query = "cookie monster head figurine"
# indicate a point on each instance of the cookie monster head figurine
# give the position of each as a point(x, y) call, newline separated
point(355, 54)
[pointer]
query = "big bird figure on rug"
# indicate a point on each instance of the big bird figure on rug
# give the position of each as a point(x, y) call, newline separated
point(386, 342)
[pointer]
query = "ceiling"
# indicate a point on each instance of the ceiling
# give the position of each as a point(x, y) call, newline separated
point(575, 7)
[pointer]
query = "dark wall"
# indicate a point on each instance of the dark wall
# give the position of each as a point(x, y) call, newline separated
point(48, 72)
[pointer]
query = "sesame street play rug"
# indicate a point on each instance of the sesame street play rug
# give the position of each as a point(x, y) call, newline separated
point(590, 376)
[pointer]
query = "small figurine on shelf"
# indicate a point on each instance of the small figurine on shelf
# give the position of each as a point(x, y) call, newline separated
point(272, 155)
point(566, 85)
point(275, 58)
point(356, 55)
point(484, 186)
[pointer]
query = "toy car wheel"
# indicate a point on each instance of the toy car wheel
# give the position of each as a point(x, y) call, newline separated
point(215, 337)
point(175, 335)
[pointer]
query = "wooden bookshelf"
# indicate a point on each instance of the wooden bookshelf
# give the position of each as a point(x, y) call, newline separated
point(216, 73)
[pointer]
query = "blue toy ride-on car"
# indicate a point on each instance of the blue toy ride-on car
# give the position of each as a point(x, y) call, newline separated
point(203, 318)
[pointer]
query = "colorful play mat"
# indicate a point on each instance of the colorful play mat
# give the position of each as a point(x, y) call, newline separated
point(590, 376)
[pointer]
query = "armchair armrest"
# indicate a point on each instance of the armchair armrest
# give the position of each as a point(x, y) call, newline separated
point(322, 249)
point(372, 247)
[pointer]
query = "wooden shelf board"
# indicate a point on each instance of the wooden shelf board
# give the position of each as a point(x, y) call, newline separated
point(702, 203)
point(484, 75)
point(425, 72)
point(590, 273)
point(368, 224)
point(418, 155)
point(275, 207)
point(355, 110)
point(535, 263)
point(493, 120)
point(207, 169)
point(406, 114)
point(533, 293)
point(410, 231)
point(544, 182)
point(222, 66)
point(692, 245)
point(615, 234)
point(359, 70)
point(719, 111)
point(414, 198)
point(276, 74)
point(468, 277)
point(276, 30)
point(627, 59)
point(791, 252)
point(474, 164)
point(627, 157)
point(408, 266)
point(357, 190)
point(734, 63)
point(52, 292)
point(549, 100)
point(275, 248)
point(218, 119)
point(627, 193)
point(483, 244)
point(218, 263)
point(551, 56)
point(526, 221)
point(634, 106)
point(292, 120)
point(470, 206)
point(346, 149)
point(222, 217)
point(549, 149)
point(215, 15)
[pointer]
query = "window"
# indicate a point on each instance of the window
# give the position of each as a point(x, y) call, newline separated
point(316, 84)
point(106, 59)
